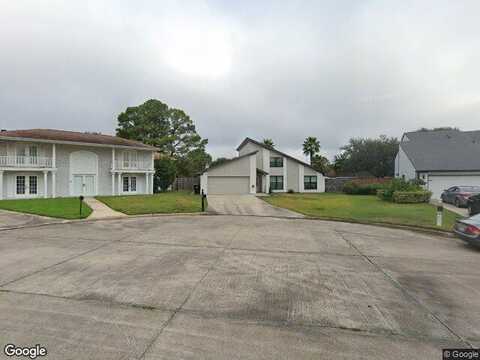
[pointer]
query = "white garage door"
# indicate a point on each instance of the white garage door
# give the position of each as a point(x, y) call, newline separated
point(437, 183)
point(218, 185)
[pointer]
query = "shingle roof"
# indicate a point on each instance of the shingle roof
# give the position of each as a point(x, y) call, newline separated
point(247, 140)
point(228, 161)
point(73, 136)
point(443, 150)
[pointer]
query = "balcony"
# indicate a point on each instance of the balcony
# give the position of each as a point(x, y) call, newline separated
point(26, 162)
point(133, 165)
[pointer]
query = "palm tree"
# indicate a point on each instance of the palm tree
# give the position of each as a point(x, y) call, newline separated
point(269, 143)
point(311, 146)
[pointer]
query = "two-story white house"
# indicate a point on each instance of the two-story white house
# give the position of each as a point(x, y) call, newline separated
point(57, 163)
point(259, 169)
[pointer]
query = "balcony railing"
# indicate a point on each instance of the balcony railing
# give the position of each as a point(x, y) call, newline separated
point(133, 164)
point(26, 161)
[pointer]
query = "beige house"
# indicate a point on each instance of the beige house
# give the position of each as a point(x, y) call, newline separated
point(259, 169)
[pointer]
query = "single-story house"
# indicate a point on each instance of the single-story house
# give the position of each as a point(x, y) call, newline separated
point(57, 163)
point(259, 168)
point(441, 158)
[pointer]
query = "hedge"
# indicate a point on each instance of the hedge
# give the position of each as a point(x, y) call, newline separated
point(354, 188)
point(410, 197)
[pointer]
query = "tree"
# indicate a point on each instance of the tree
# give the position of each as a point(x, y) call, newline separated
point(165, 173)
point(364, 155)
point(311, 146)
point(321, 164)
point(171, 130)
point(269, 143)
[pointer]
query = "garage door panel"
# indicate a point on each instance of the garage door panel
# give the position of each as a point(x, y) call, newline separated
point(228, 185)
point(437, 183)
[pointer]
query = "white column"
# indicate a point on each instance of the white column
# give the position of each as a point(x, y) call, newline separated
point(54, 156)
point(153, 161)
point(54, 184)
point(119, 183)
point(1, 185)
point(285, 188)
point(113, 158)
point(253, 173)
point(301, 173)
point(267, 185)
point(113, 183)
point(151, 183)
point(45, 184)
point(147, 179)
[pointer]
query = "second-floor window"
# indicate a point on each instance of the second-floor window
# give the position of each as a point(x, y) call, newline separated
point(130, 159)
point(276, 162)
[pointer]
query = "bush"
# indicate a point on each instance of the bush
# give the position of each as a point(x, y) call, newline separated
point(354, 188)
point(290, 191)
point(395, 185)
point(411, 197)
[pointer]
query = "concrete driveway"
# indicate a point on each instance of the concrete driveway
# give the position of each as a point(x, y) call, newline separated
point(234, 287)
point(246, 205)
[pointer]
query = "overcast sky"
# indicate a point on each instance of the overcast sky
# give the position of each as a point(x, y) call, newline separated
point(277, 69)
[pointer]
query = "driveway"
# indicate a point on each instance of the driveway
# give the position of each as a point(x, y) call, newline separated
point(10, 219)
point(236, 287)
point(460, 211)
point(246, 205)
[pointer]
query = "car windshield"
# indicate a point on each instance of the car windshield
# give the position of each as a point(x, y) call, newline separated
point(470, 188)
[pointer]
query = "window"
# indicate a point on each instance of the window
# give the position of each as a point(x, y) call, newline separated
point(130, 184)
point(130, 159)
point(32, 185)
point(276, 182)
point(20, 185)
point(32, 150)
point(310, 182)
point(276, 162)
point(133, 184)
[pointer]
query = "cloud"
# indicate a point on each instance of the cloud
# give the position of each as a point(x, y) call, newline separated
point(331, 69)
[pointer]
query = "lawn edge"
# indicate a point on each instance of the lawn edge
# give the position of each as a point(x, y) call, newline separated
point(50, 217)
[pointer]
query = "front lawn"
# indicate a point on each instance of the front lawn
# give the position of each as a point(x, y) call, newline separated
point(170, 202)
point(64, 208)
point(362, 208)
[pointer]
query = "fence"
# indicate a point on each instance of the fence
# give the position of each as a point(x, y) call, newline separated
point(185, 183)
point(336, 184)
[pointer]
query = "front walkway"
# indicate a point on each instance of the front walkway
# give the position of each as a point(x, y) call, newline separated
point(100, 210)
point(246, 205)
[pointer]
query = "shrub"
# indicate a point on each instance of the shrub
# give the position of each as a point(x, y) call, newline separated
point(395, 185)
point(354, 188)
point(411, 197)
point(290, 191)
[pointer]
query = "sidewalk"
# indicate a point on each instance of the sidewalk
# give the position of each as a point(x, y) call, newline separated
point(100, 210)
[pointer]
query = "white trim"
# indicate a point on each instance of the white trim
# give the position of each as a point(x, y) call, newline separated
point(147, 180)
point(285, 186)
point(113, 159)
point(253, 174)
point(45, 184)
point(301, 178)
point(113, 183)
point(54, 156)
point(54, 184)
point(1, 185)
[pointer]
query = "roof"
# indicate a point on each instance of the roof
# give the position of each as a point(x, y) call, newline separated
point(247, 140)
point(443, 150)
point(73, 136)
point(229, 161)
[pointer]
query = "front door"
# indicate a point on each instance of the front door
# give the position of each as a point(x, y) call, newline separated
point(84, 185)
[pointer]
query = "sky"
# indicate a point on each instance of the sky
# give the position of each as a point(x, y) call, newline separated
point(264, 69)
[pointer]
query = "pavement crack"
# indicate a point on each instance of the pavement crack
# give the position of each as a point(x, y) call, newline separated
point(399, 286)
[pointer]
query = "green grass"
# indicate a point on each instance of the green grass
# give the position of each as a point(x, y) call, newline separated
point(164, 203)
point(63, 208)
point(362, 208)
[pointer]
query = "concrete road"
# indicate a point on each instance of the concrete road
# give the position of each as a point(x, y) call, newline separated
point(10, 219)
point(246, 205)
point(234, 287)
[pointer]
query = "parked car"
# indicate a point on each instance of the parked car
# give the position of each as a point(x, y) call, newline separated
point(458, 195)
point(469, 230)
point(473, 205)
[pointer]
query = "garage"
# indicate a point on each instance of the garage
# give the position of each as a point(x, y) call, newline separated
point(220, 185)
point(438, 183)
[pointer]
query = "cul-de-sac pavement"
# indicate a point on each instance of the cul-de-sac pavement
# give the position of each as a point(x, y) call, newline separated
point(236, 287)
